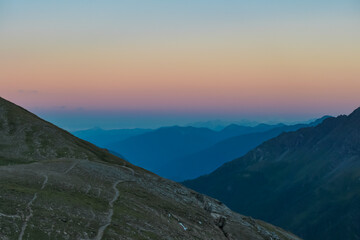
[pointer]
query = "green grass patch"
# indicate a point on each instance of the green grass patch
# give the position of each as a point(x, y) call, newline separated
point(73, 198)
point(2, 124)
point(12, 187)
point(4, 161)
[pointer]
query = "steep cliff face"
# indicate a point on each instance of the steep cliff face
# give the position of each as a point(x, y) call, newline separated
point(56, 186)
point(306, 181)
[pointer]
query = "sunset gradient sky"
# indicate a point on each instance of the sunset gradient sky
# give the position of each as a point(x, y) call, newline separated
point(142, 63)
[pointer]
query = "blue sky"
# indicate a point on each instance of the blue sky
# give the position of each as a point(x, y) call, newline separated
point(149, 63)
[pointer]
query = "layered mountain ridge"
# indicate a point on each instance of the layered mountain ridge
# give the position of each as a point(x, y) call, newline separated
point(208, 160)
point(181, 153)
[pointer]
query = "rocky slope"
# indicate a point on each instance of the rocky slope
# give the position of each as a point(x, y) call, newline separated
point(306, 181)
point(56, 186)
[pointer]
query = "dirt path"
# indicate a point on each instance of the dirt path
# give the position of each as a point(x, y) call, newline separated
point(9, 216)
point(71, 167)
point(29, 208)
point(130, 169)
point(27, 218)
point(88, 188)
point(45, 182)
point(111, 211)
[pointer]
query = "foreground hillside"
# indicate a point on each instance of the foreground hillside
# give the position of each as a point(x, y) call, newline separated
point(56, 186)
point(307, 181)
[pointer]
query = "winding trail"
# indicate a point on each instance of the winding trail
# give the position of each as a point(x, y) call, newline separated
point(27, 218)
point(130, 169)
point(92, 214)
point(91, 219)
point(45, 182)
point(99, 192)
point(9, 216)
point(88, 188)
point(29, 208)
point(111, 211)
point(71, 167)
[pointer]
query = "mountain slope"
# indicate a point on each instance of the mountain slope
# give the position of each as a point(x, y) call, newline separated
point(56, 186)
point(305, 181)
point(207, 160)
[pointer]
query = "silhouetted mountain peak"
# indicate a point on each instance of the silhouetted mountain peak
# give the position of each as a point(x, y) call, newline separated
point(320, 120)
point(233, 127)
point(355, 114)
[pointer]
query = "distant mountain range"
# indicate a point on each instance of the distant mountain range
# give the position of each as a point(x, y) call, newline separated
point(181, 153)
point(56, 186)
point(209, 159)
point(306, 181)
point(219, 125)
point(161, 149)
point(102, 138)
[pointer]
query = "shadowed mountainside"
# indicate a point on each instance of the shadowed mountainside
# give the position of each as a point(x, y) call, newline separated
point(56, 186)
point(306, 181)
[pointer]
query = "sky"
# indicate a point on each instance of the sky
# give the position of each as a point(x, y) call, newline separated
point(147, 63)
